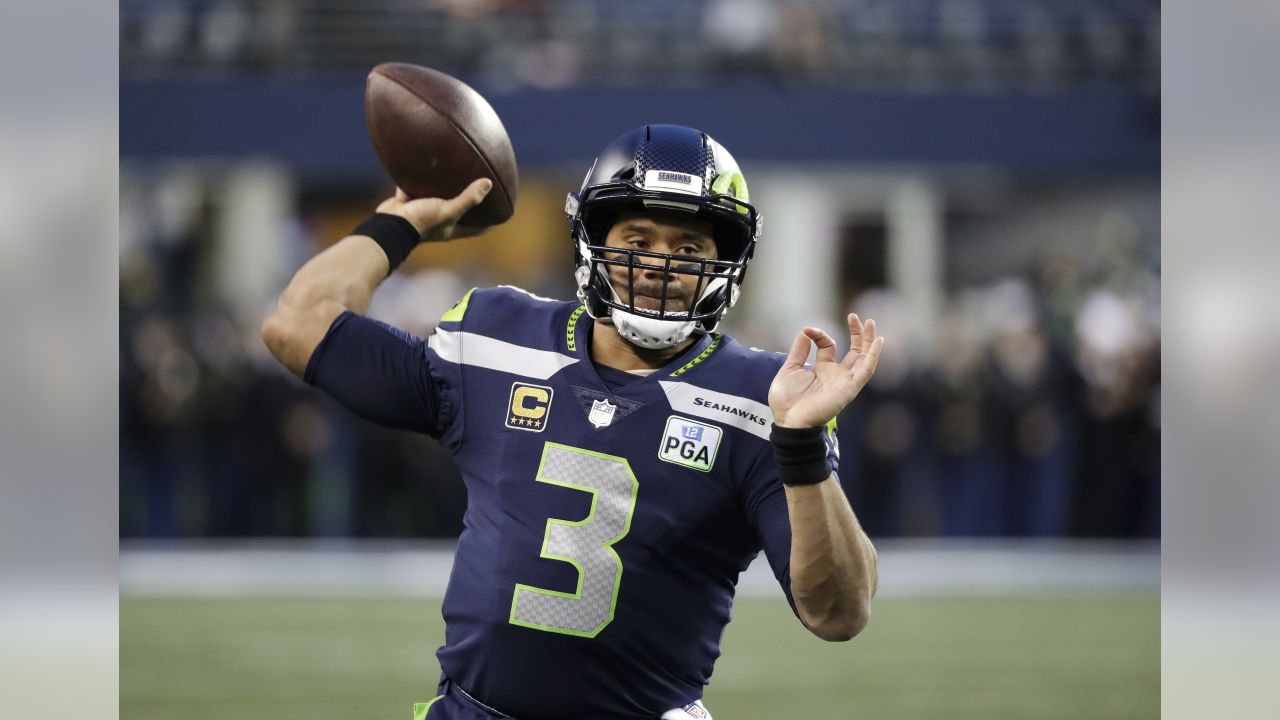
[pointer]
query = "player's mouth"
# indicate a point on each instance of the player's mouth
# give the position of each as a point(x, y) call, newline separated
point(653, 301)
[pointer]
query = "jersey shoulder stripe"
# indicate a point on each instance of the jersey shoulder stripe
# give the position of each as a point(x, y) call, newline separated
point(729, 386)
point(734, 410)
point(467, 348)
point(504, 329)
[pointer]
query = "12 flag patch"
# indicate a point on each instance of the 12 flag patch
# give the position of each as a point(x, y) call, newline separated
point(690, 443)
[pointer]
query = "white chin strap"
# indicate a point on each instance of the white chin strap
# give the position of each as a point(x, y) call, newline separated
point(651, 333)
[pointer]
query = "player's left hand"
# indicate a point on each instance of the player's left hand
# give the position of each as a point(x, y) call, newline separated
point(803, 397)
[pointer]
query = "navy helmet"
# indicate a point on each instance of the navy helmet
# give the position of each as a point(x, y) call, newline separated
point(663, 169)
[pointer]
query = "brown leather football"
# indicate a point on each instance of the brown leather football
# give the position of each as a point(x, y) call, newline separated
point(434, 135)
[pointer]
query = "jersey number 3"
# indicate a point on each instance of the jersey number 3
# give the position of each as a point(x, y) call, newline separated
point(586, 544)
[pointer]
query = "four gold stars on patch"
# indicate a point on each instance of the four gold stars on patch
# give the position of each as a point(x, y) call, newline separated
point(527, 422)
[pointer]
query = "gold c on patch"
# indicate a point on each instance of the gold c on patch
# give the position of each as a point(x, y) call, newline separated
point(530, 407)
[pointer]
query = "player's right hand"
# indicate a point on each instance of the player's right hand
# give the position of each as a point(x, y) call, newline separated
point(436, 219)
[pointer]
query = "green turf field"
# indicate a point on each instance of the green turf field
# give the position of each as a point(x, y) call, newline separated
point(944, 659)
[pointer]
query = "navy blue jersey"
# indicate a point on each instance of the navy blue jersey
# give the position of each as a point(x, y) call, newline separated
point(605, 528)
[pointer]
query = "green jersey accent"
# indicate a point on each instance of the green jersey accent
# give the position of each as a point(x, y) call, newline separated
point(420, 709)
point(455, 313)
point(715, 342)
point(570, 336)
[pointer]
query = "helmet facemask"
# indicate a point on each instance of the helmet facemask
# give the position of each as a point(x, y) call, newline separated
point(716, 285)
point(674, 171)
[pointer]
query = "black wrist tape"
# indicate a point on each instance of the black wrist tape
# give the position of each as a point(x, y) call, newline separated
point(801, 454)
point(396, 236)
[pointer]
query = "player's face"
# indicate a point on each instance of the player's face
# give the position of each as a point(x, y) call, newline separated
point(660, 234)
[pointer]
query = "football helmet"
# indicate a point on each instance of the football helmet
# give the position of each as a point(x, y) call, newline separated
point(663, 169)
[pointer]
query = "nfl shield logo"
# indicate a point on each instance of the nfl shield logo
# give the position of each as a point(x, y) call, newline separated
point(601, 413)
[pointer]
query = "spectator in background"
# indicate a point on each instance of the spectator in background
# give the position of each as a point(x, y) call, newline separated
point(804, 46)
point(958, 414)
point(1120, 449)
point(1029, 415)
point(881, 437)
point(739, 34)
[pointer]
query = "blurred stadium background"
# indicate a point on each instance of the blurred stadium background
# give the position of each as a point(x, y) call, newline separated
point(981, 176)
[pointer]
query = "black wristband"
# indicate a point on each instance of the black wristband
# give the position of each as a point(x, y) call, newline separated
point(801, 454)
point(396, 236)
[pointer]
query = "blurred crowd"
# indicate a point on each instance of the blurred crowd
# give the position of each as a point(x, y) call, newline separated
point(216, 439)
point(918, 45)
point(1035, 412)
point(1036, 416)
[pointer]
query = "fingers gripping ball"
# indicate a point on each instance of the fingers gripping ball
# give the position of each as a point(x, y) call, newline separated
point(434, 135)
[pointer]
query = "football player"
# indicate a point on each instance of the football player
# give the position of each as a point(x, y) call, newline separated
point(624, 461)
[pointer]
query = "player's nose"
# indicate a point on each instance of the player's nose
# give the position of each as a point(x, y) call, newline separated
point(656, 272)
point(670, 273)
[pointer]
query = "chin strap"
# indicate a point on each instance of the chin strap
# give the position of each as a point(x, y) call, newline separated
point(651, 333)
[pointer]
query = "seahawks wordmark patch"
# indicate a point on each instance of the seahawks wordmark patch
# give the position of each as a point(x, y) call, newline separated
point(690, 443)
point(673, 181)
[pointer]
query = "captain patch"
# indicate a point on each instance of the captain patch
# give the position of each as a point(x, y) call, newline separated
point(529, 407)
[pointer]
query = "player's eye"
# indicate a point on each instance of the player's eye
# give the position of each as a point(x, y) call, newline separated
point(695, 249)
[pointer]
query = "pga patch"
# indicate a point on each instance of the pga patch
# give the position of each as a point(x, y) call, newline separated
point(690, 443)
point(530, 407)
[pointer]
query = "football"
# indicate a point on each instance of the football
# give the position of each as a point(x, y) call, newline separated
point(434, 135)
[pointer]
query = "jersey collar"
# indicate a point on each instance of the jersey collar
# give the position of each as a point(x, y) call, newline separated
point(579, 328)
